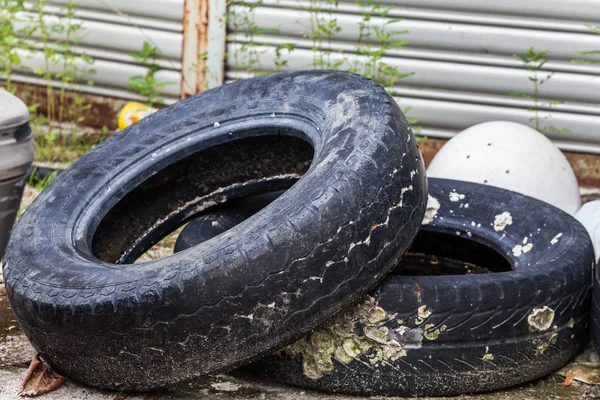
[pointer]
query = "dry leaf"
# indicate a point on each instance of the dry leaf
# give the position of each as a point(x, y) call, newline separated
point(568, 380)
point(39, 379)
point(585, 368)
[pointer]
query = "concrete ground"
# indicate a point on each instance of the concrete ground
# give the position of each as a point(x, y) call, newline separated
point(16, 354)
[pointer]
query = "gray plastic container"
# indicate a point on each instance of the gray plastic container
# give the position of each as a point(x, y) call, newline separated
point(16, 156)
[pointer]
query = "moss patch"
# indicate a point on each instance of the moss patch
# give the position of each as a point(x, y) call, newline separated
point(356, 333)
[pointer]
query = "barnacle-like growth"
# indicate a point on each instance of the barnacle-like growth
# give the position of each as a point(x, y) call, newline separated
point(360, 332)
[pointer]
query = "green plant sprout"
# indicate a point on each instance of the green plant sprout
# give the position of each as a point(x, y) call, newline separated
point(323, 29)
point(533, 62)
point(243, 20)
point(148, 86)
point(134, 24)
point(12, 38)
point(56, 147)
point(279, 61)
point(41, 183)
point(22, 21)
point(70, 72)
point(385, 38)
point(248, 58)
point(593, 29)
point(374, 41)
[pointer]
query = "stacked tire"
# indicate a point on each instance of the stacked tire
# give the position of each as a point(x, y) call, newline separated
point(487, 297)
point(102, 320)
point(306, 190)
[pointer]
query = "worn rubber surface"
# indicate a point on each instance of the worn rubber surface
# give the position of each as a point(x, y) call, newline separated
point(427, 334)
point(213, 223)
point(595, 317)
point(108, 323)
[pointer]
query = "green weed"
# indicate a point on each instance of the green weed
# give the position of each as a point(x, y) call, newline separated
point(58, 147)
point(12, 39)
point(374, 41)
point(61, 63)
point(322, 31)
point(534, 62)
point(148, 86)
point(593, 29)
point(41, 183)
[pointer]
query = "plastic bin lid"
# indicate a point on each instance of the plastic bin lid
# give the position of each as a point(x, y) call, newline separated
point(13, 112)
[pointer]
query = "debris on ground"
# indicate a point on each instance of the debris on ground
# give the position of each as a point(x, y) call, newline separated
point(585, 368)
point(40, 379)
point(568, 381)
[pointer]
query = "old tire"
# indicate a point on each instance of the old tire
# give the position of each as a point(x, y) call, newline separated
point(448, 334)
point(105, 322)
point(213, 223)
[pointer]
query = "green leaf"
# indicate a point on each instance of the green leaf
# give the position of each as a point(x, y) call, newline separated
point(595, 29)
point(14, 59)
point(522, 58)
point(578, 61)
point(517, 94)
point(262, 31)
point(588, 52)
point(398, 43)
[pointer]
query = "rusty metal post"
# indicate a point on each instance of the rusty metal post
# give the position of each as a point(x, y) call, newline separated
point(203, 55)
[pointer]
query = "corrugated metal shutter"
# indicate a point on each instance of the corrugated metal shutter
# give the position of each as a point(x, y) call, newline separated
point(111, 29)
point(461, 53)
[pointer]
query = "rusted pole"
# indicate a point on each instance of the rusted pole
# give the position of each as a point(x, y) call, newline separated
point(203, 45)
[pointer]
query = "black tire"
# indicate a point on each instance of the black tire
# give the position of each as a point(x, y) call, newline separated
point(459, 334)
point(223, 303)
point(218, 221)
point(595, 312)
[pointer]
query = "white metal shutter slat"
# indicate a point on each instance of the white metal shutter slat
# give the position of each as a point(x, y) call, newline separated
point(438, 35)
point(109, 37)
point(584, 10)
point(473, 17)
point(120, 38)
point(455, 76)
point(461, 53)
point(109, 73)
point(458, 116)
point(494, 60)
point(110, 17)
point(163, 9)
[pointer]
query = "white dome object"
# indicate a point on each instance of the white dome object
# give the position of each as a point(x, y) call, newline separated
point(510, 156)
point(589, 216)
